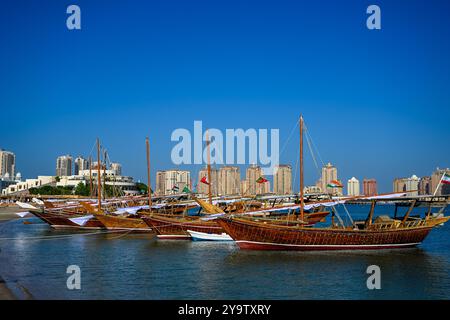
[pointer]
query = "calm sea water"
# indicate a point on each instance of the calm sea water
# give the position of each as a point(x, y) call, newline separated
point(114, 266)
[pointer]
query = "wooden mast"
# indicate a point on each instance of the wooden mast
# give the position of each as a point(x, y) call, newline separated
point(91, 186)
point(302, 200)
point(99, 183)
point(209, 167)
point(149, 187)
point(104, 175)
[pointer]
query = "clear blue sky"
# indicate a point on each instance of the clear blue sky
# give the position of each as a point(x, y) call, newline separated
point(377, 103)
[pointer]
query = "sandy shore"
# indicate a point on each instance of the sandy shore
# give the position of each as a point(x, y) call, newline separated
point(6, 214)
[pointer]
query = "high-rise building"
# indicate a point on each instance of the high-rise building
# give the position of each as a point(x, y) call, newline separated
point(117, 168)
point(353, 187)
point(329, 174)
point(444, 189)
point(229, 180)
point(160, 183)
point(7, 164)
point(172, 181)
point(64, 166)
point(253, 173)
point(410, 185)
point(282, 180)
point(202, 187)
point(80, 164)
point(425, 186)
point(399, 185)
point(370, 187)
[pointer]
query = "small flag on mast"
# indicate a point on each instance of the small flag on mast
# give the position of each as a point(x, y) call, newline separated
point(204, 180)
point(261, 180)
point(445, 178)
point(186, 189)
point(334, 184)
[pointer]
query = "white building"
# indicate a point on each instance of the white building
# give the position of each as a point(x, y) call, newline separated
point(353, 187)
point(126, 184)
point(23, 186)
point(117, 167)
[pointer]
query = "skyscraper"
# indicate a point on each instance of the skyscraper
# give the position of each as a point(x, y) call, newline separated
point(172, 181)
point(253, 173)
point(202, 187)
point(329, 174)
point(425, 186)
point(399, 185)
point(282, 180)
point(64, 166)
point(370, 187)
point(7, 164)
point(353, 187)
point(229, 180)
point(80, 164)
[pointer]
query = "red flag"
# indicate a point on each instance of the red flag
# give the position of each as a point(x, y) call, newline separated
point(203, 180)
point(261, 180)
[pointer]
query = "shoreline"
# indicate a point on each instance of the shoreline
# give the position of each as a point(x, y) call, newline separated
point(5, 292)
point(7, 214)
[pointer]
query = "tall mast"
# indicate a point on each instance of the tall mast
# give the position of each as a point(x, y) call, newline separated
point(99, 183)
point(209, 167)
point(302, 200)
point(149, 188)
point(91, 187)
point(104, 175)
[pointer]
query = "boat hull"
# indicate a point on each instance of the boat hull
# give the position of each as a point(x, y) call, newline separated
point(201, 236)
point(176, 228)
point(123, 223)
point(255, 236)
point(59, 221)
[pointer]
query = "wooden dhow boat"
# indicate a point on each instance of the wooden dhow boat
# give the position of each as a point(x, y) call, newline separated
point(383, 233)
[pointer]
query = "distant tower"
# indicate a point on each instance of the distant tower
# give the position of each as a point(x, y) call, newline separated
point(282, 180)
point(370, 187)
point(64, 166)
point(329, 174)
point(7, 163)
point(80, 164)
point(203, 188)
point(229, 180)
point(117, 168)
point(254, 172)
point(353, 188)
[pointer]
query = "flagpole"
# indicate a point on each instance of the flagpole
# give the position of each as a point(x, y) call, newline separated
point(149, 188)
point(302, 200)
point(209, 167)
point(99, 183)
point(439, 184)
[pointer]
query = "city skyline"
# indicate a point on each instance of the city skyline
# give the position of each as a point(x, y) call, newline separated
point(383, 95)
point(247, 181)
